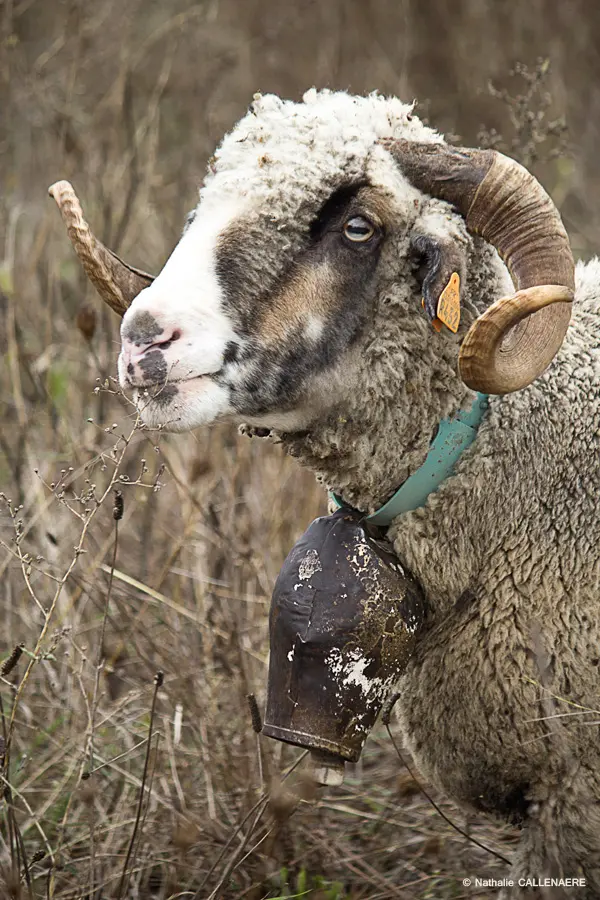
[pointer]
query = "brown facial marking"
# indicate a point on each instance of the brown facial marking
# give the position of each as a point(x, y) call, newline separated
point(321, 281)
point(309, 292)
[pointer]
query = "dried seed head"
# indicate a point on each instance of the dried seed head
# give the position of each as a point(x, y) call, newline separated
point(119, 506)
point(86, 321)
point(254, 713)
point(12, 660)
point(159, 679)
point(37, 857)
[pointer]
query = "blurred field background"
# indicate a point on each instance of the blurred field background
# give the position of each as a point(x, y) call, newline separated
point(103, 798)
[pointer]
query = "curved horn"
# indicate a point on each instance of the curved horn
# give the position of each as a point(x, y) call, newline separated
point(504, 204)
point(116, 281)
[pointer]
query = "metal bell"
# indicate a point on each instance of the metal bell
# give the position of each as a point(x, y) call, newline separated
point(343, 621)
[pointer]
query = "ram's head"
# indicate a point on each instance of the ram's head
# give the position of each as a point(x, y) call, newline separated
point(316, 220)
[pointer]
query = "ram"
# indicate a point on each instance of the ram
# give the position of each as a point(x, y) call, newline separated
point(330, 236)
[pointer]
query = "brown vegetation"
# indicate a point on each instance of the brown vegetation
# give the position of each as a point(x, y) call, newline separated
point(117, 783)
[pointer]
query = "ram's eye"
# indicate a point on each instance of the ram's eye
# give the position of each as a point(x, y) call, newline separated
point(358, 230)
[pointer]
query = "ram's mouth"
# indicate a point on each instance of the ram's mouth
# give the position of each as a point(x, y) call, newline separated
point(181, 405)
point(171, 378)
point(154, 387)
point(167, 389)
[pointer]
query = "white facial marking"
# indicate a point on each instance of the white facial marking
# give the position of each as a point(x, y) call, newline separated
point(186, 299)
point(314, 328)
point(187, 296)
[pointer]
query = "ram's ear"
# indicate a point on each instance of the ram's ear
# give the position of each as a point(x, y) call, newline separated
point(440, 265)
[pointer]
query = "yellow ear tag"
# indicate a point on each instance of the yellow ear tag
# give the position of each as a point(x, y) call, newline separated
point(448, 310)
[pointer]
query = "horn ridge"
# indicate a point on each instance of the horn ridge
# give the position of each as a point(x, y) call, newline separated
point(116, 281)
point(512, 211)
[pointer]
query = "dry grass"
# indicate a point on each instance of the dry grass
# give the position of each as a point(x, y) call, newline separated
point(116, 784)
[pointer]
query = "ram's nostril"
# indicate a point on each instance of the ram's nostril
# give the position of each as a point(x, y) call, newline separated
point(164, 345)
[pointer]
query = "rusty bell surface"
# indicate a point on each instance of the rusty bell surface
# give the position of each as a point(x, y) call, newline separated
point(343, 621)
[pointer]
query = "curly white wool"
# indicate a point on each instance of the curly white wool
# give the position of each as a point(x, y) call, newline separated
point(306, 148)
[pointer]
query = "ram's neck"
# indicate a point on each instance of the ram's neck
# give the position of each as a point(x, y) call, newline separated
point(378, 437)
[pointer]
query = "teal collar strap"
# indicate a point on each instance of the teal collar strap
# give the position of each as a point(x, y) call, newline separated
point(452, 439)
